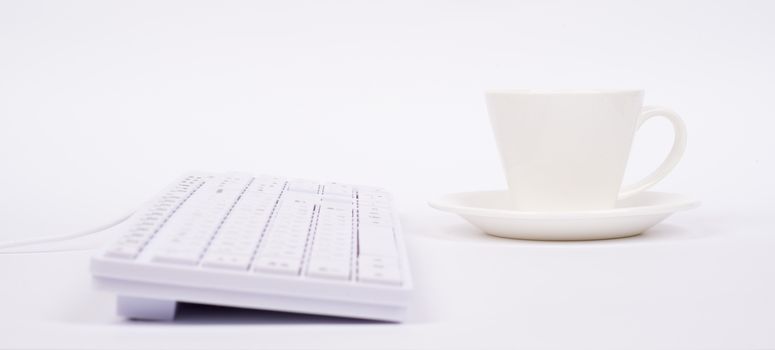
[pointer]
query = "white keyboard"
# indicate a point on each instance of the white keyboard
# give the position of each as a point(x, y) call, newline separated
point(260, 242)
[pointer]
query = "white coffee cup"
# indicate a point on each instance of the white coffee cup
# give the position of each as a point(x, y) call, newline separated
point(567, 149)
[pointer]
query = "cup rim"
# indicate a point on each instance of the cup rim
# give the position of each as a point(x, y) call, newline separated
point(584, 91)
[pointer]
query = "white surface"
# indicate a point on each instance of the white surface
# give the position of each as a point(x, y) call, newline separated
point(102, 104)
point(568, 149)
point(490, 211)
point(688, 283)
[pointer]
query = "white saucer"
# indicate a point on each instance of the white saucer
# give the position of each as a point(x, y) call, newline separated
point(489, 211)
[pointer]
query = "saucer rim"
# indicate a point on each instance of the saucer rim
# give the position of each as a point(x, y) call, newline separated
point(683, 202)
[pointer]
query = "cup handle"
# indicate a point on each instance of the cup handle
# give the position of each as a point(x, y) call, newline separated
point(679, 145)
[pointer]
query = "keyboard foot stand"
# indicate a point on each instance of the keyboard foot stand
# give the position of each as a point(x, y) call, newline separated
point(145, 309)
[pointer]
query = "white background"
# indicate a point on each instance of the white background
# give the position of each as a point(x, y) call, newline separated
point(112, 94)
point(103, 103)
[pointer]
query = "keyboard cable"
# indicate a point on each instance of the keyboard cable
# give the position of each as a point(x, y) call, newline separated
point(57, 238)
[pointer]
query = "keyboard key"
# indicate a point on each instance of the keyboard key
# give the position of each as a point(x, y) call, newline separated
point(278, 265)
point(377, 241)
point(303, 186)
point(374, 216)
point(306, 197)
point(374, 199)
point(227, 261)
point(379, 269)
point(329, 269)
point(338, 190)
point(268, 185)
point(337, 203)
point(180, 256)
